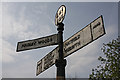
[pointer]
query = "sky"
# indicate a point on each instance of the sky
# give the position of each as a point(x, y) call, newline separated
point(30, 20)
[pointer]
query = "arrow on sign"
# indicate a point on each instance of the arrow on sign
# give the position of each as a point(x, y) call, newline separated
point(37, 43)
point(88, 34)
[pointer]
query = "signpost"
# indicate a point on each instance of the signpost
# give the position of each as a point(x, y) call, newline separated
point(37, 43)
point(88, 34)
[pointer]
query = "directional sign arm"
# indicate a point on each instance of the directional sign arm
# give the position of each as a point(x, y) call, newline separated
point(47, 61)
point(37, 43)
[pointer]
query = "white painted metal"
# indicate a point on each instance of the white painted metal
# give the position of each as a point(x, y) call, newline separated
point(37, 43)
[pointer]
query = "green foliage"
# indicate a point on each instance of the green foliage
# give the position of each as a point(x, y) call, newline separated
point(110, 64)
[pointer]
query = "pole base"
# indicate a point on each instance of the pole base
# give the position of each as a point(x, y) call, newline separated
point(60, 64)
point(60, 78)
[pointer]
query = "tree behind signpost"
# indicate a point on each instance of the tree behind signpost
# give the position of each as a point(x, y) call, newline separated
point(110, 64)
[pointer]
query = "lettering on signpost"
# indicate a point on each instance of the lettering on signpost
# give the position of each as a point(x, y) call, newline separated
point(47, 61)
point(97, 27)
point(77, 41)
point(39, 67)
point(37, 43)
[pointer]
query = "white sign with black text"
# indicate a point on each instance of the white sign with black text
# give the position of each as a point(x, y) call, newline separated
point(37, 43)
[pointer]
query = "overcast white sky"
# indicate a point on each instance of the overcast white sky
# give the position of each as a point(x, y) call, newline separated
point(30, 20)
